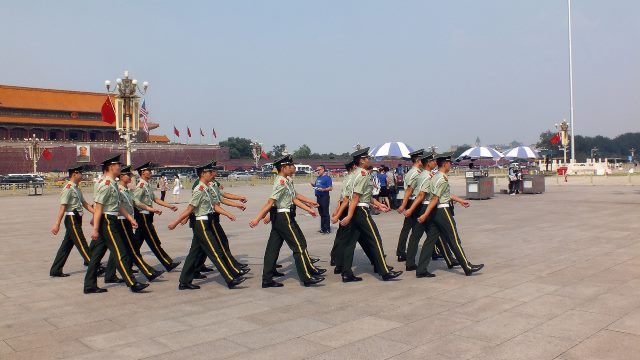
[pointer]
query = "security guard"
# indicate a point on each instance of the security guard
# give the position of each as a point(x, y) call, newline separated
point(71, 204)
point(127, 200)
point(359, 216)
point(442, 204)
point(284, 227)
point(202, 206)
point(409, 195)
point(106, 231)
point(146, 231)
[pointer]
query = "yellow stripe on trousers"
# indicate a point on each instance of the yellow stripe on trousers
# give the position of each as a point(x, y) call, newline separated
point(204, 231)
point(115, 246)
point(445, 252)
point(304, 264)
point(133, 250)
point(84, 252)
point(384, 263)
point(455, 237)
point(154, 240)
point(215, 231)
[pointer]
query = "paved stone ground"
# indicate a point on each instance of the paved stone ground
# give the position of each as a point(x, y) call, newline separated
point(562, 281)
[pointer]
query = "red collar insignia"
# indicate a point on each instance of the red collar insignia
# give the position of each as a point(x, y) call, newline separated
point(68, 186)
point(281, 181)
point(201, 187)
point(107, 182)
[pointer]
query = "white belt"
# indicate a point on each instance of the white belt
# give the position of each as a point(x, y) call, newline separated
point(426, 202)
point(144, 212)
point(364, 205)
point(120, 217)
point(72, 213)
point(412, 198)
point(203, 217)
point(113, 213)
point(443, 206)
point(284, 210)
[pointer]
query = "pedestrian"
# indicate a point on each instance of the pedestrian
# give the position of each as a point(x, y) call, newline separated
point(375, 193)
point(202, 205)
point(359, 216)
point(177, 185)
point(323, 186)
point(163, 186)
point(441, 203)
point(147, 231)
point(393, 190)
point(106, 232)
point(410, 193)
point(384, 189)
point(71, 209)
point(280, 207)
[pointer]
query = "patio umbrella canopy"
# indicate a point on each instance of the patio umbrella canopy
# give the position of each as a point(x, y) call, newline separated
point(391, 149)
point(481, 152)
point(522, 152)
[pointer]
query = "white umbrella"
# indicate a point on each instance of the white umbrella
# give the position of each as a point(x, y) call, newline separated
point(481, 152)
point(522, 152)
point(391, 149)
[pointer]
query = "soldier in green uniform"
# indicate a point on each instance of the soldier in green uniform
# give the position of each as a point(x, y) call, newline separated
point(203, 204)
point(410, 193)
point(359, 216)
point(129, 203)
point(442, 204)
point(106, 232)
point(146, 231)
point(284, 227)
point(71, 204)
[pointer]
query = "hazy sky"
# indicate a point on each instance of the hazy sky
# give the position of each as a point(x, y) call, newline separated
point(333, 73)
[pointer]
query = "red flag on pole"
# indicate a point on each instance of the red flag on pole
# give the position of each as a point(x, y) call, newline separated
point(264, 155)
point(47, 155)
point(214, 133)
point(555, 139)
point(201, 132)
point(188, 132)
point(176, 132)
point(108, 114)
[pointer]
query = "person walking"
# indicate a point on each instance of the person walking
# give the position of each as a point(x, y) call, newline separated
point(410, 192)
point(177, 185)
point(323, 186)
point(384, 189)
point(163, 186)
point(392, 189)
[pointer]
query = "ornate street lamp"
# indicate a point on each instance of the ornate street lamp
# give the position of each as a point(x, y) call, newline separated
point(564, 136)
point(34, 151)
point(256, 151)
point(127, 106)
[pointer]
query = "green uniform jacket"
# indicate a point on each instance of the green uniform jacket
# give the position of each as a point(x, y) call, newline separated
point(71, 197)
point(363, 185)
point(283, 192)
point(107, 194)
point(441, 188)
point(143, 193)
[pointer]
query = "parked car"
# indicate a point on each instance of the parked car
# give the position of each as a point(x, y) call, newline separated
point(239, 176)
point(22, 179)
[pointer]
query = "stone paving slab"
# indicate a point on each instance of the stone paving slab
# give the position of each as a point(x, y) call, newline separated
point(562, 281)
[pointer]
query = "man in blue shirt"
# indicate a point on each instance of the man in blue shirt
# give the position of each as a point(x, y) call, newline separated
point(323, 186)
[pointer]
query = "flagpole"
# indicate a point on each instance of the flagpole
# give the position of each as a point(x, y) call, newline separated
point(573, 140)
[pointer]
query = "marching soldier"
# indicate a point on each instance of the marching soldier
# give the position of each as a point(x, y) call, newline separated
point(363, 226)
point(106, 232)
point(126, 199)
point(71, 204)
point(203, 204)
point(284, 227)
point(409, 195)
point(143, 194)
point(441, 204)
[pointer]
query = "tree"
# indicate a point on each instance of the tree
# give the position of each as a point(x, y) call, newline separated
point(460, 149)
point(303, 152)
point(277, 151)
point(239, 148)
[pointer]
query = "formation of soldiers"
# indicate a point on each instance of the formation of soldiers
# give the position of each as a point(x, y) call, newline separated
point(123, 219)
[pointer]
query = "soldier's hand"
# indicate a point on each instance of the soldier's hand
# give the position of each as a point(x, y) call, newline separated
point(465, 203)
point(94, 235)
point(384, 208)
point(313, 213)
point(266, 220)
point(407, 213)
point(242, 207)
point(91, 222)
point(55, 229)
point(157, 211)
point(134, 224)
point(172, 226)
point(253, 223)
point(243, 199)
point(184, 221)
point(422, 219)
point(400, 210)
point(334, 219)
point(231, 217)
point(173, 208)
point(345, 221)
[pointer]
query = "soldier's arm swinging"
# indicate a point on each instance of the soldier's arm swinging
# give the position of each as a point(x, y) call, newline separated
point(128, 216)
point(415, 204)
point(217, 208)
point(240, 198)
point(263, 212)
point(460, 201)
point(142, 206)
point(56, 226)
point(352, 209)
point(87, 206)
point(165, 204)
point(304, 207)
point(97, 215)
point(405, 200)
point(306, 200)
point(233, 204)
point(432, 205)
point(184, 215)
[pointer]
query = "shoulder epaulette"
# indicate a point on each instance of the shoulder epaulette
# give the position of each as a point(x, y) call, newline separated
point(201, 187)
point(281, 181)
point(68, 186)
point(107, 182)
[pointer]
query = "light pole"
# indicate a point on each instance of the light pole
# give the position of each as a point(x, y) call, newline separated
point(573, 139)
point(433, 149)
point(593, 151)
point(34, 151)
point(256, 151)
point(127, 106)
point(564, 137)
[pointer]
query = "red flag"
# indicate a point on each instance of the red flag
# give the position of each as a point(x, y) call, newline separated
point(176, 132)
point(108, 114)
point(201, 132)
point(47, 155)
point(188, 132)
point(264, 155)
point(214, 133)
point(555, 139)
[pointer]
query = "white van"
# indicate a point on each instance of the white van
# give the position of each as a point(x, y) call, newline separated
point(303, 169)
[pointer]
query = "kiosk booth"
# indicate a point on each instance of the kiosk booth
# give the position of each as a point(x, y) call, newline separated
point(479, 185)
